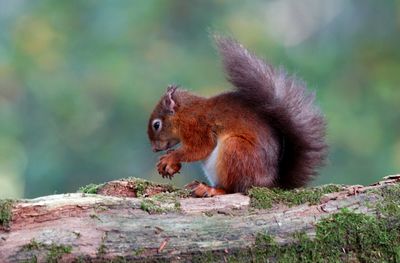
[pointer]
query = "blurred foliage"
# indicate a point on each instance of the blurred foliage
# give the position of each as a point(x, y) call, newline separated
point(78, 80)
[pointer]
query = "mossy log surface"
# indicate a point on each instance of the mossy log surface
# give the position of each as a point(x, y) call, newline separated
point(133, 220)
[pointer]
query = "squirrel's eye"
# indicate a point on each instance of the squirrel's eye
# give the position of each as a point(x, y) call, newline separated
point(156, 124)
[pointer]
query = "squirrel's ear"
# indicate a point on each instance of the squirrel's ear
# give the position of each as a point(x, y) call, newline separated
point(169, 101)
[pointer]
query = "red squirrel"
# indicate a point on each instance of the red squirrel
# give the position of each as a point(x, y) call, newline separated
point(266, 132)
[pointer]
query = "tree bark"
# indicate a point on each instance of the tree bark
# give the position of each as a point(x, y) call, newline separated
point(81, 227)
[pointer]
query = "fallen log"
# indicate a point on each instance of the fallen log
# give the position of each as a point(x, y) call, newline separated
point(133, 220)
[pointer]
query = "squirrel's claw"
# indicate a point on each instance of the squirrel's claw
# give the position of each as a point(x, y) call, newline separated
point(166, 167)
point(192, 185)
point(203, 190)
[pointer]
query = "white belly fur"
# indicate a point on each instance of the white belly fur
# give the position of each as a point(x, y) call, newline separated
point(210, 166)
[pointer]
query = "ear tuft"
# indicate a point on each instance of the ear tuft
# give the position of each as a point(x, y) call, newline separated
point(169, 102)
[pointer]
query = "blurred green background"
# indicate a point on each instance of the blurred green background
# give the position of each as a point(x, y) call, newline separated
point(78, 80)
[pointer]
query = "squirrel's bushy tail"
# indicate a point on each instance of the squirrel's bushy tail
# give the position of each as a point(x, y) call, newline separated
point(285, 104)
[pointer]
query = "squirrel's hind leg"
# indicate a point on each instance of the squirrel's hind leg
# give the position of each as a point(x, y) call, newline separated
point(242, 164)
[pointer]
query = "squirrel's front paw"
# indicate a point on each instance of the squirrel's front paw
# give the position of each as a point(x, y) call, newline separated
point(167, 167)
point(203, 190)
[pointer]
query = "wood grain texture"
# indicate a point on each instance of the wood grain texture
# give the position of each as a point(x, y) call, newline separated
point(98, 228)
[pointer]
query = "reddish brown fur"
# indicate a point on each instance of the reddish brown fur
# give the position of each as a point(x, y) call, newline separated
point(200, 122)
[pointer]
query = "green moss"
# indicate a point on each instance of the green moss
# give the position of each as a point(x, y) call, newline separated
point(161, 203)
point(390, 206)
point(141, 185)
point(81, 259)
point(138, 252)
point(166, 201)
point(345, 236)
point(206, 257)
point(102, 249)
point(119, 259)
point(54, 252)
point(57, 251)
point(183, 193)
point(150, 206)
point(264, 198)
point(31, 260)
point(32, 245)
point(6, 211)
point(342, 237)
point(90, 188)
